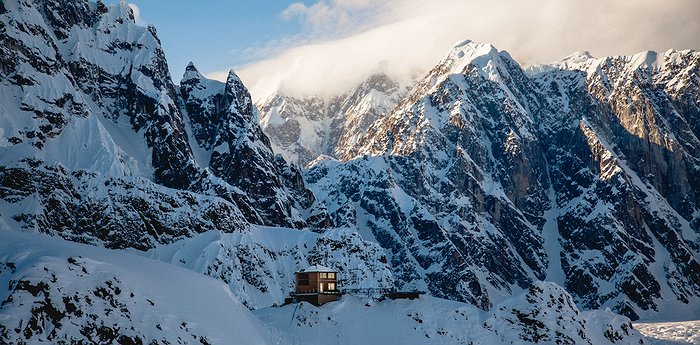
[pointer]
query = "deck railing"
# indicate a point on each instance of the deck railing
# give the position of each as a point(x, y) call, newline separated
point(315, 292)
point(376, 292)
point(370, 291)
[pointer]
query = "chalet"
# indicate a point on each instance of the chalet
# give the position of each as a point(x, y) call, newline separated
point(317, 285)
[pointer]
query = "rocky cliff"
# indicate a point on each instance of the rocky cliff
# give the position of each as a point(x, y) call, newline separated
point(486, 178)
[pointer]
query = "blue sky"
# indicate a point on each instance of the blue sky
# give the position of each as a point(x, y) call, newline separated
point(215, 35)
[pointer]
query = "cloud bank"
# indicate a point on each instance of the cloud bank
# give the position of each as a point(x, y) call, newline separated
point(347, 40)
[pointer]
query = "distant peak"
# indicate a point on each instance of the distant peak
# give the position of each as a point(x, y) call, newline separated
point(125, 11)
point(379, 81)
point(191, 73)
point(462, 43)
point(645, 60)
point(468, 49)
point(233, 78)
point(581, 60)
point(579, 56)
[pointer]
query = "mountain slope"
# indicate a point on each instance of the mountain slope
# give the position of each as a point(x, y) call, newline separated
point(95, 146)
point(68, 292)
point(464, 222)
point(259, 264)
point(583, 174)
point(304, 128)
point(542, 314)
point(224, 123)
point(627, 177)
point(102, 174)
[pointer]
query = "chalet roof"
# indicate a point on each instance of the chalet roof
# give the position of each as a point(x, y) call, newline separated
point(317, 268)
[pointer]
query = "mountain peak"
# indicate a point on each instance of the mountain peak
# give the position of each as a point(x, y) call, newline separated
point(646, 59)
point(233, 79)
point(579, 56)
point(121, 11)
point(191, 73)
point(469, 52)
point(239, 92)
point(580, 60)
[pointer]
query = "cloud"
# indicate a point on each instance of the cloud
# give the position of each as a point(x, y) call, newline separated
point(332, 17)
point(137, 14)
point(347, 40)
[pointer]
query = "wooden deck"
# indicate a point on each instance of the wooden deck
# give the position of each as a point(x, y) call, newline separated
point(315, 297)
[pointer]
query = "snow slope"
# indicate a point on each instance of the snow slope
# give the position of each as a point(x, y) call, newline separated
point(59, 291)
point(543, 314)
point(259, 264)
point(54, 290)
point(670, 333)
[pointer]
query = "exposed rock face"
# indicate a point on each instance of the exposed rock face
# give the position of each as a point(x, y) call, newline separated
point(87, 101)
point(224, 123)
point(625, 171)
point(486, 178)
point(302, 129)
point(128, 212)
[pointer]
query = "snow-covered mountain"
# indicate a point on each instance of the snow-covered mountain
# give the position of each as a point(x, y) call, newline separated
point(99, 147)
point(304, 128)
point(86, 90)
point(485, 179)
point(57, 292)
point(63, 292)
point(259, 264)
point(462, 185)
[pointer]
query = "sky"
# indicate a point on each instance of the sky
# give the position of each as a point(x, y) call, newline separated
point(322, 47)
point(215, 35)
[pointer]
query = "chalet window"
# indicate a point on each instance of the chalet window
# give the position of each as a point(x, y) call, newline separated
point(331, 286)
point(331, 275)
point(303, 279)
point(324, 275)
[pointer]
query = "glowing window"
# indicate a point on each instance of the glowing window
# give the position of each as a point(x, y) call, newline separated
point(331, 275)
point(331, 286)
point(324, 275)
